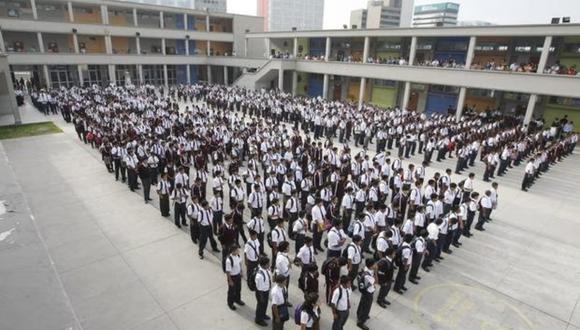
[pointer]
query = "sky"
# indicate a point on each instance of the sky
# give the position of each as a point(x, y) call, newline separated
point(504, 12)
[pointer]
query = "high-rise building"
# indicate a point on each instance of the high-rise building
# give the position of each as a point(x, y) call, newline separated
point(284, 15)
point(383, 14)
point(437, 14)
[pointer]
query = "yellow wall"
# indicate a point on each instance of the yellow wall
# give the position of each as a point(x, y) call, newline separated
point(121, 44)
point(481, 103)
point(554, 111)
point(221, 48)
point(93, 46)
point(119, 20)
point(95, 17)
point(384, 96)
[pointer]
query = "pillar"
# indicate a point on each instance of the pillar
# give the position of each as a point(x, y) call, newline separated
point(112, 74)
point(165, 77)
point(294, 82)
point(366, 50)
point(530, 110)
point(76, 43)
point(207, 23)
point(2, 45)
point(12, 100)
point(81, 78)
point(406, 95)
point(226, 78)
point(325, 86)
point(140, 73)
point(208, 48)
point(187, 47)
point(163, 46)
point(33, 7)
point(545, 54)
point(40, 42)
point(108, 44)
point(188, 74)
point(104, 14)
point(71, 14)
point(46, 76)
point(138, 45)
point(281, 80)
point(460, 102)
point(267, 45)
point(413, 51)
point(361, 94)
point(327, 49)
point(185, 21)
point(209, 78)
point(295, 52)
point(135, 19)
point(161, 20)
point(245, 47)
point(470, 52)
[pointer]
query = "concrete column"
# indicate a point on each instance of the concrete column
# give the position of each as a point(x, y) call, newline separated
point(530, 110)
point(327, 49)
point(140, 74)
point(406, 95)
point(46, 76)
point(12, 100)
point(161, 20)
point(138, 45)
point(267, 41)
point(470, 52)
point(81, 78)
point(108, 44)
point(104, 14)
point(187, 47)
point(185, 21)
point(294, 82)
point(40, 42)
point(207, 23)
point(2, 44)
point(112, 74)
point(71, 14)
point(76, 43)
point(361, 94)
point(163, 46)
point(165, 76)
point(188, 73)
point(281, 80)
point(460, 103)
point(208, 48)
point(366, 49)
point(135, 20)
point(226, 76)
point(295, 52)
point(245, 47)
point(545, 54)
point(33, 7)
point(413, 50)
point(325, 86)
point(209, 78)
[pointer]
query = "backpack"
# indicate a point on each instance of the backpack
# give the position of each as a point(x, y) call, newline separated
point(325, 265)
point(298, 314)
point(345, 251)
point(360, 279)
point(269, 237)
point(252, 279)
point(399, 256)
point(392, 182)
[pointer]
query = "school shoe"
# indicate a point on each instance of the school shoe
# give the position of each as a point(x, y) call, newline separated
point(261, 323)
point(414, 281)
point(382, 304)
point(241, 303)
point(232, 307)
point(362, 326)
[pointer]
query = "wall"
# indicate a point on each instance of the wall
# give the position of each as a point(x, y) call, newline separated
point(439, 102)
point(315, 84)
point(81, 16)
point(93, 44)
point(256, 47)
point(384, 96)
point(553, 111)
point(481, 103)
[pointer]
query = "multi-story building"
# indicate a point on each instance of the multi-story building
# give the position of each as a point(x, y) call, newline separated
point(285, 15)
point(64, 43)
point(524, 70)
point(381, 14)
point(436, 15)
point(216, 6)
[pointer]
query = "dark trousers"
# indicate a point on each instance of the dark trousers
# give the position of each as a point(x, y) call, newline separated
point(428, 259)
point(480, 220)
point(401, 278)
point(440, 244)
point(194, 230)
point(417, 257)
point(332, 253)
point(206, 233)
point(164, 205)
point(364, 306)
point(235, 290)
point(384, 291)
point(119, 170)
point(146, 188)
point(261, 305)
point(469, 222)
point(449, 239)
point(132, 176)
point(299, 242)
point(340, 321)
point(179, 213)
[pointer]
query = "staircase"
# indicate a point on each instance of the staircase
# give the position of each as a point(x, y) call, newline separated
point(263, 77)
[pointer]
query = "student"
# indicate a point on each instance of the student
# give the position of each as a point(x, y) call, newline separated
point(251, 253)
point(385, 271)
point(263, 282)
point(341, 303)
point(163, 192)
point(310, 314)
point(405, 259)
point(279, 297)
point(368, 276)
point(234, 277)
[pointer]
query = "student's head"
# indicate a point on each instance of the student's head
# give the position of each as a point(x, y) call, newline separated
point(488, 193)
point(438, 221)
point(471, 175)
point(280, 280)
point(356, 239)
point(423, 233)
point(345, 281)
point(264, 261)
point(390, 252)
point(310, 299)
point(337, 224)
point(308, 241)
point(370, 262)
point(234, 249)
point(495, 185)
point(434, 196)
point(253, 234)
point(342, 261)
point(280, 223)
point(283, 246)
point(408, 238)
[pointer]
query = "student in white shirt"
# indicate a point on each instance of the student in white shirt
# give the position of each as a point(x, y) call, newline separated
point(279, 297)
point(367, 293)
point(484, 211)
point(251, 253)
point(234, 277)
point(341, 303)
point(310, 314)
point(263, 282)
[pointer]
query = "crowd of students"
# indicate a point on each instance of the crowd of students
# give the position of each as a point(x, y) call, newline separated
point(287, 177)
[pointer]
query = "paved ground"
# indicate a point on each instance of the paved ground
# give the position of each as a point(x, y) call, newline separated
point(79, 251)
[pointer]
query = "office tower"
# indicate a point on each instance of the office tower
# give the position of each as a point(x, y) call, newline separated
point(283, 15)
point(437, 14)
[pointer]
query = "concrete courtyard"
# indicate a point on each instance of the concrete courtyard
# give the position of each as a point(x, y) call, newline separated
point(79, 251)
